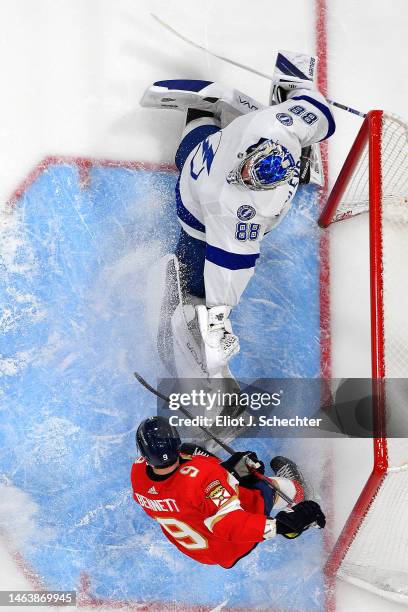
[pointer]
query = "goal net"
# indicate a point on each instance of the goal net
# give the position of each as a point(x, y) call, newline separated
point(372, 550)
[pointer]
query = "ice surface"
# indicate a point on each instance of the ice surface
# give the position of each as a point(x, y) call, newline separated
point(71, 404)
point(73, 73)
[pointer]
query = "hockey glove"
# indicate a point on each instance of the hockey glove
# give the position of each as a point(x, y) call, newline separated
point(219, 341)
point(291, 523)
point(240, 464)
point(286, 87)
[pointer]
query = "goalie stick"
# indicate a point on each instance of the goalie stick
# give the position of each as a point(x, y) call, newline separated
point(344, 107)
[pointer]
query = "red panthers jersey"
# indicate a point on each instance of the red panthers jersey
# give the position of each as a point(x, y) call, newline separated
point(201, 509)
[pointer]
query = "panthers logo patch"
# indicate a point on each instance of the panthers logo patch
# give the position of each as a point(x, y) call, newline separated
point(217, 493)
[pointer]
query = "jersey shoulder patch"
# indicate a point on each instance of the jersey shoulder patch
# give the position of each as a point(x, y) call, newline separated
point(217, 493)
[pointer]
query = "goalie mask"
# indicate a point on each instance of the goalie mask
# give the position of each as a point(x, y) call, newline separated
point(264, 166)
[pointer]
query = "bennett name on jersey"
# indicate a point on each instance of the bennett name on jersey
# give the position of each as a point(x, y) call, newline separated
point(214, 512)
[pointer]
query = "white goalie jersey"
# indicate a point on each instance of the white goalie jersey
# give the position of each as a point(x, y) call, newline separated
point(231, 219)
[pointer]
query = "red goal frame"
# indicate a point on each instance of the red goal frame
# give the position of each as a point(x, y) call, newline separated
point(369, 136)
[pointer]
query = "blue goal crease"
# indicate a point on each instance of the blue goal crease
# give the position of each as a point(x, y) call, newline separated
point(73, 333)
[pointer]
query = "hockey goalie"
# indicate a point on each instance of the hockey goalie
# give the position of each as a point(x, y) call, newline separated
point(216, 513)
point(240, 164)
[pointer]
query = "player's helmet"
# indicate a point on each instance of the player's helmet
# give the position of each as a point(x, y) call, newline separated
point(158, 441)
point(267, 165)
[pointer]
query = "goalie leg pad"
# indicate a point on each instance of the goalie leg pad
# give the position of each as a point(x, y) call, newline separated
point(178, 346)
point(225, 103)
point(179, 94)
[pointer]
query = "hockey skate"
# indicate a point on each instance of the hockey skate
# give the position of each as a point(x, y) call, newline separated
point(283, 467)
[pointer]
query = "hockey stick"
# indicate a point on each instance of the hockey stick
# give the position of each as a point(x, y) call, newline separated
point(229, 449)
point(243, 66)
point(186, 413)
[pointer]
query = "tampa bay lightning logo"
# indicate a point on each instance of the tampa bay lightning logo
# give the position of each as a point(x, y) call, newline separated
point(204, 155)
point(284, 118)
point(246, 212)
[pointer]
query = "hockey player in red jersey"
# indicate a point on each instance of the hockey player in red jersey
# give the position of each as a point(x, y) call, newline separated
point(214, 512)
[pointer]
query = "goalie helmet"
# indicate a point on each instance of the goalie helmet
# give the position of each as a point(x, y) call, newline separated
point(264, 166)
point(158, 442)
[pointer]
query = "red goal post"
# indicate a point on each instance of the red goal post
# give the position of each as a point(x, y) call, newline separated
point(370, 551)
point(369, 137)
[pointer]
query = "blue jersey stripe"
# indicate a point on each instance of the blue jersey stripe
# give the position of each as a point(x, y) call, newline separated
point(323, 109)
point(184, 84)
point(185, 215)
point(288, 68)
point(232, 261)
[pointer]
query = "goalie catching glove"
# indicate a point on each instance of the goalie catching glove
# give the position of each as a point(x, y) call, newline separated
point(286, 88)
point(293, 71)
point(219, 342)
point(292, 523)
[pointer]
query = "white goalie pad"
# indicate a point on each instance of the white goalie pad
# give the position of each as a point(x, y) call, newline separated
point(178, 347)
point(174, 325)
point(300, 70)
point(174, 328)
point(224, 102)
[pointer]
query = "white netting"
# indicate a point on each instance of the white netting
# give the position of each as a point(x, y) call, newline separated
point(378, 557)
point(394, 173)
point(395, 287)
